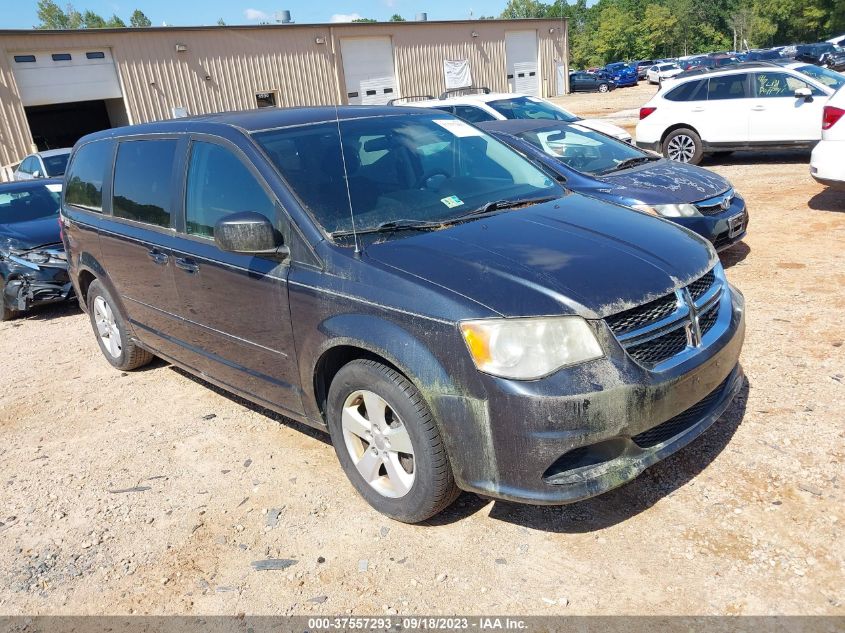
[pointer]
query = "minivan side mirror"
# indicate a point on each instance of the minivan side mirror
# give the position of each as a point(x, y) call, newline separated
point(249, 233)
point(803, 93)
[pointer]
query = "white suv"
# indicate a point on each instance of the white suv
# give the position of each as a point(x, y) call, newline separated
point(752, 106)
point(498, 106)
point(827, 164)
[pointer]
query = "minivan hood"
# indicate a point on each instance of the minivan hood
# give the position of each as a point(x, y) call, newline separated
point(665, 182)
point(31, 234)
point(575, 255)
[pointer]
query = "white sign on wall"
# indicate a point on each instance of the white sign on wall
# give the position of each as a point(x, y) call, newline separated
point(457, 73)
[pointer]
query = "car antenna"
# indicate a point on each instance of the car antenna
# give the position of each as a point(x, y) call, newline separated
point(346, 179)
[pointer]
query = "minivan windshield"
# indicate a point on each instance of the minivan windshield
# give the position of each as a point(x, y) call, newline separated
point(585, 150)
point(414, 168)
point(30, 203)
point(530, 108)
point(823, 75)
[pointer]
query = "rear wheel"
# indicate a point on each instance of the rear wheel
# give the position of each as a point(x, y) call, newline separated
point(111, 331)
point(684, 146)
point(387, 442)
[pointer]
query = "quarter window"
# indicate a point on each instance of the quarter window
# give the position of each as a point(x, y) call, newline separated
point(728, 87)
point(689, 91)
point(86, 174)
point(219, 184)
point(143, 173)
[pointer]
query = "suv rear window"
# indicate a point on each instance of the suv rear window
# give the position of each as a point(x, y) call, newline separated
point(87, 172)
point(143, 173)
point(689, 91)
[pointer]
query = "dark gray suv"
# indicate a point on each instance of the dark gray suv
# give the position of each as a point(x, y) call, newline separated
point(451, 315)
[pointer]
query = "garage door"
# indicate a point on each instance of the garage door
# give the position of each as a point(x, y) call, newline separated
point(521, 57)
point(64, 76)
point(368, 69)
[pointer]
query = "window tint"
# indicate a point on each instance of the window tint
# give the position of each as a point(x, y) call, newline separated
point(472, 114)
point(727, 87)
point(142, 177)
point(86, 175)
point(689, 91)
point(773, 85)
point(219, 184)
point(56, 164)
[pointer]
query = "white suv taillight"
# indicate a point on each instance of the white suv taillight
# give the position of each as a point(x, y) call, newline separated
point(644, 112)
point(831, 115)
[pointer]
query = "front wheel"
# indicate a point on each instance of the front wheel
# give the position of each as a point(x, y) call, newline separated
point(603, 88)
point(387, 442)
point(684, 146)
point(112, 333)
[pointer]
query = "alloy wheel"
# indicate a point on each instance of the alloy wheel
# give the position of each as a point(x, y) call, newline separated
point(378, 443)
point(681, 148)
point(107, 327)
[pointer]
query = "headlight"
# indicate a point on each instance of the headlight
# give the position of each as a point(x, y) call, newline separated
point(36, 257)
point(529, 348)
point(669, 210)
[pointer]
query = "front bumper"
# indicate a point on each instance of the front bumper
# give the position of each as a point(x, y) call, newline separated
point(24, 289)
point(724, 229)
point(588, 429)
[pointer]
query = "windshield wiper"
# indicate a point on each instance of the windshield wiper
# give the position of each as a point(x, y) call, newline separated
point(630, 162)
point(390, 226)
point(498, 205)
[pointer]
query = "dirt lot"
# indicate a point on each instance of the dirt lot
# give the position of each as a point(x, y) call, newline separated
point(150, 493)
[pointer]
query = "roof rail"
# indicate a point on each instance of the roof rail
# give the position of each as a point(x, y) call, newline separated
point(468, 90)
point(410, 98)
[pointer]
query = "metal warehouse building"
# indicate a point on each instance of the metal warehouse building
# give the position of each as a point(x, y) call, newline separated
point(56, 86)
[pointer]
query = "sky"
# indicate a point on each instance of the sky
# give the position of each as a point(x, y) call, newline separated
point(192, 12)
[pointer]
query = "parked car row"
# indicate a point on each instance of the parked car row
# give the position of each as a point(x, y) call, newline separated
point(413, 284)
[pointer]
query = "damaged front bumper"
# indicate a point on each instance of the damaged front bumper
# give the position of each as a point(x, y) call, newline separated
point(588, 429)
point(27, 284)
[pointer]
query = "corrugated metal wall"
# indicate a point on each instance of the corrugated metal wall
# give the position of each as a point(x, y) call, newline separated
point(224, 67)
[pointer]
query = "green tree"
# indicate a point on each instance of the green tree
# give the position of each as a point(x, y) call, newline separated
point(516, 9)
point(91, 20)
point(51, 15)
point(396, 18)
point(138, 19)
point(364, 20)
point(220, 22)
point(115, 22)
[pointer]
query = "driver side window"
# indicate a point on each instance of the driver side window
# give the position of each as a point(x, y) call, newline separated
point(219, 184)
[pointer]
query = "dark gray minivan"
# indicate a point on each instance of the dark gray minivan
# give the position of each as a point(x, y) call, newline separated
point(448, 312)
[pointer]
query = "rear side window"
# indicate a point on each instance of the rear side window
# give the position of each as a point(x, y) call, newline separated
point(472, 114)
point(143, 173)
point(88, 168)
point(219, 184)
point(689, 91)
point(728, 87)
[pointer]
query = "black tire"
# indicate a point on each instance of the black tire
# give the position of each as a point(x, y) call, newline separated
point(433, 487)
point(6, 313)
point(131, 356)
point(683, 145)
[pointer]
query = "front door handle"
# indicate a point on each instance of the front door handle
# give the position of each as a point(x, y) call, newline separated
point(158, 257)
point(187, 264)
point(758, 108)
point(698, 109)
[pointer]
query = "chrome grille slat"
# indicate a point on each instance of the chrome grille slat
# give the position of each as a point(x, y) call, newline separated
point(656, 332)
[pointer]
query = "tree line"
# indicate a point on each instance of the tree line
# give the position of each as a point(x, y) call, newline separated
point(612, 30)
point(52, 16)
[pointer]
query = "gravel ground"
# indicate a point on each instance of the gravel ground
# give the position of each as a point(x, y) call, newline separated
point(151, 493)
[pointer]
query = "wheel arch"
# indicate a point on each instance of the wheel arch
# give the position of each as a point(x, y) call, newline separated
point(676, 126)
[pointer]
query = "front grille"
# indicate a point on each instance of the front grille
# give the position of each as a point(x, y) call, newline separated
point(635, 324)
point(643, 315)
point(713, 206)
point(707, 320)
point(661, 348)
point(700, 286)
point(681, 422)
